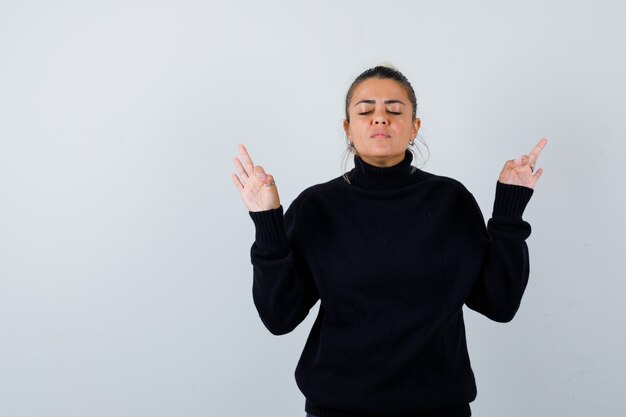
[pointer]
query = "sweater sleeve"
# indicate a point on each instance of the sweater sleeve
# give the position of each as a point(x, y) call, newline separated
point(497, 293)
point(283, 289)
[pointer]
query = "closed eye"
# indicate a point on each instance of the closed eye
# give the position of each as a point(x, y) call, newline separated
point(365, 113)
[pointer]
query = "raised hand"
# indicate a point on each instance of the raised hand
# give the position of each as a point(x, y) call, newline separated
point(521, 171)
point(257, 189)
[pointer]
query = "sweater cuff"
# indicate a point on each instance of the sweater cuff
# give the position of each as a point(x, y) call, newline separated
point(270, 225)
point(511, 200)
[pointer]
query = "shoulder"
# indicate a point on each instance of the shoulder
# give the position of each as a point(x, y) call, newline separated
point(451, 196)
point(322, 190)
point(446, 184)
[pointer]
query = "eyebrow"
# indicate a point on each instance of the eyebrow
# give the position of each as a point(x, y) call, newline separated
point(386, 102)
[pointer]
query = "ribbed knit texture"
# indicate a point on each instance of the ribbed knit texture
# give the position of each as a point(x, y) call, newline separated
point(383, 179)
point(460, 411)
point(270, 227)
point(511, 200)
point(393, 254)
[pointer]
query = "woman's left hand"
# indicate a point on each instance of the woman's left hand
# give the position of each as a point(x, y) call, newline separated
point(521, 171)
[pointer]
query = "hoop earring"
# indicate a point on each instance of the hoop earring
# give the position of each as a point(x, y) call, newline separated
point(412, 143)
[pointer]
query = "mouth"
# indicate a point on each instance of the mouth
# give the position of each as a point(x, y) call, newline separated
point(380, 135)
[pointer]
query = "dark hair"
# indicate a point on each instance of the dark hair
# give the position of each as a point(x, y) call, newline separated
point(383, 72)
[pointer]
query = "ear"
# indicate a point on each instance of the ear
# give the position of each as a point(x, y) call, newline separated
point(346, 128)
point(416, 126)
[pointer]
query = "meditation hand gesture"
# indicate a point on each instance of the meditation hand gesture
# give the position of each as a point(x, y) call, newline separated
point(521, 171)
point(257, 189)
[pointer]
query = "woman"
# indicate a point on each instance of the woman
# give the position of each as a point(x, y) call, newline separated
point(393, 253)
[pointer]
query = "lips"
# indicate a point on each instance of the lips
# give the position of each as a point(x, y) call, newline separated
point(380, 135)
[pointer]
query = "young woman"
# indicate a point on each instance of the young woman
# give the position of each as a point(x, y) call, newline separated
point(392, 253)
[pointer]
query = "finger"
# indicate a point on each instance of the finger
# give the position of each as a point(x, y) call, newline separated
point(510, 164)
point(266, 179)
point(247, 161)
point(523, 160)
point(269, 182)
point(237, 182)
point(538, 174)
point(534, 154)
point(240, 169)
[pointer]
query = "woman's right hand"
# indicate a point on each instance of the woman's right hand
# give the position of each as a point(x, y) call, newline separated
point(257, 189)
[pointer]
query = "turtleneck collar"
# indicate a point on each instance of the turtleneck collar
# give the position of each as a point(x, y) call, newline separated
point(375, 178)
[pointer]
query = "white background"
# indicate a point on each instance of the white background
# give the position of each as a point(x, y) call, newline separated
point(125, 279)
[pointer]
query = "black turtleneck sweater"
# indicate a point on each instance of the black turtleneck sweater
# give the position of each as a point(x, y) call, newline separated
point(393, 255)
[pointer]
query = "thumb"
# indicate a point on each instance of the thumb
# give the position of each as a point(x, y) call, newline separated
point(259, 172)
point(262, 176)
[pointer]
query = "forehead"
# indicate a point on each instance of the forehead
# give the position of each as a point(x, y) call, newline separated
point(380, 89)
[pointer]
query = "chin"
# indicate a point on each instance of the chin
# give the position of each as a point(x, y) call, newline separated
point(384, 152)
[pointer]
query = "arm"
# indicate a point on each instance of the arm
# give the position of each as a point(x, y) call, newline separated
point(498, 291)
point(283, 289)
point(505, 266)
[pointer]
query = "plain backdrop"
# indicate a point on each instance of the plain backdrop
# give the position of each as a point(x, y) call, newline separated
point(125, 277)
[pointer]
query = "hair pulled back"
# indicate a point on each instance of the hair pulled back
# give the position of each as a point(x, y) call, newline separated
point(383, 72)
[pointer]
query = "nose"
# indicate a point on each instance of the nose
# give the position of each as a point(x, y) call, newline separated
point(380, 119)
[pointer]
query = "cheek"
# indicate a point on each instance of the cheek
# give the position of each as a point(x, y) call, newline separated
point(356, 130)
point(409, 127)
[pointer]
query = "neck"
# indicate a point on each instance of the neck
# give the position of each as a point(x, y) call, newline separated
point(368, 176)
point(383, 162)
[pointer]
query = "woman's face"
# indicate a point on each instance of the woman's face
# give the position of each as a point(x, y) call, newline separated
point(381, 122)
